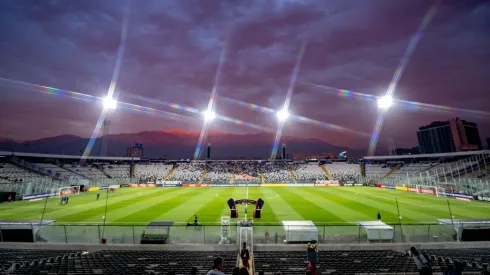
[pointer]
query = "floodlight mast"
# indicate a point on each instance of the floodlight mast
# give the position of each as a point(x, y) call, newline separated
point(385, 102)
point(209, 115)
point(109, 105)
point(282, 115)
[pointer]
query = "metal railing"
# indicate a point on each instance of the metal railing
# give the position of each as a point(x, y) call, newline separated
point(213, 234)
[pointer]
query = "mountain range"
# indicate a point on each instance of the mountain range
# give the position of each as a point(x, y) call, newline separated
point(176, 144)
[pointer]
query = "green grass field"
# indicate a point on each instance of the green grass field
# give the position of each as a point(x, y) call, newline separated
point(322, 205)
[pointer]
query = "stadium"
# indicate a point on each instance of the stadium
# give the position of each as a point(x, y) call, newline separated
point(133, 201)
point(227, 141)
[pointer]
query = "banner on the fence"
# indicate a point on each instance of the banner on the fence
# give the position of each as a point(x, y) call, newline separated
point(402, 188)
point(195, 185)
point(456, 195)
point(222, 185)
point(410, 189)
point(35, 196)
point(327, 182)
point(352, 184)
point(125, 185)
point(142, 185)
point(481, 198)
point(274, 185)
point(114, 186)
point(302, 185)
point(95, 188)
point(427, 191)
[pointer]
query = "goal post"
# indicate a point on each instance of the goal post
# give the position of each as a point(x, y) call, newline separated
point(428, 189)
point(65, 190)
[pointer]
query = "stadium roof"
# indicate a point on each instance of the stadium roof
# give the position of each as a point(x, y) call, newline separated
point(33, 155)
point(441, 155)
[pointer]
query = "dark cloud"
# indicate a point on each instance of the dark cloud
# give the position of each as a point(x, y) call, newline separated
point(173, 50)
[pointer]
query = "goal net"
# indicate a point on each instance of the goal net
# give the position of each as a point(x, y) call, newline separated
point(66, 190)
point(428, 189)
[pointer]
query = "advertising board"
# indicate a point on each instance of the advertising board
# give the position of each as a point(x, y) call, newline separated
point(36, 196)
point(401, 188)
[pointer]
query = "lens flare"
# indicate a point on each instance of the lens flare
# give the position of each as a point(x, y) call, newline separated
point(211, 103)
point(398, 74)
point(289, 94)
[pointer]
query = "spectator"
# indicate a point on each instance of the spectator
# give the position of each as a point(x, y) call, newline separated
point(243, 271)
point(217, 267)
point(421, 261)
point(245, 255)
point(236, 271)
point(267, 237)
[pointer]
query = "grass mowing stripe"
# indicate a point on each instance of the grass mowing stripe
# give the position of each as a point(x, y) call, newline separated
point(79, 203)
point(118, 211)
point(387, 209)
point(280, 207)
point(153, 211)
point(409, 209)
point(305, 206)
point(330, 210)
point(97, 212)
point(185, 212)
point(360, 204)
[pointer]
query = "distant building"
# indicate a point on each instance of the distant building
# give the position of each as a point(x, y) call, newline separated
point(454, 135)
point(401, 151)
point(488, 143)
point(135, 151)
point(300, 156)
point(415, 150)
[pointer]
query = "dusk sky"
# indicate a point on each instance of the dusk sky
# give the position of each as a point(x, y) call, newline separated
point(173, 48)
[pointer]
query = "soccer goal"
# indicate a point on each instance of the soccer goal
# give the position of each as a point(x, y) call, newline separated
point(65, 190)
point(428, 189)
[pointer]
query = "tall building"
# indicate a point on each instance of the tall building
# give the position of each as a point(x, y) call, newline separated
point(488, 143)
point(454, 135)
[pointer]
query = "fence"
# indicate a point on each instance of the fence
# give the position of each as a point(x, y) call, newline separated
point(212, 234)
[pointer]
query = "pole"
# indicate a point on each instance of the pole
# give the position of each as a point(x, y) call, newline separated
point(105, 213)
point(44, 210)
point(452, 219)
point(400, 220)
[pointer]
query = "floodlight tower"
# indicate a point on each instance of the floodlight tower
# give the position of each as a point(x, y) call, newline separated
point(110, 104)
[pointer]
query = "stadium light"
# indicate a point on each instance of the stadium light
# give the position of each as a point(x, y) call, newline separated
point(282, 115)
point(109, 103)
point(209, 115)
point(385, 102)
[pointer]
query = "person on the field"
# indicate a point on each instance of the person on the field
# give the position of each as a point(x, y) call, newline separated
point(217, 267)
point(195, 219)
point(245, 255)
point(98, 195)
point(379, 217)
point(9, 198)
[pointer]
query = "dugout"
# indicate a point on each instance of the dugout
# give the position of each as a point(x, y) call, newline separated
point(469, 230)
point(21, 230)
point(156, 232)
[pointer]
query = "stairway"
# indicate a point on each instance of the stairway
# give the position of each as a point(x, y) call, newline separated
point(262, 177)
point(325, 171)
point(169, 173)
point(203, 175)
point(232, 180)
point(393, 170)
point(292, 174)
point(104, 172)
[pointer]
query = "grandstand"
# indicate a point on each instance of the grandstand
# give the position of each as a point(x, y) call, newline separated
point(128, 212)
